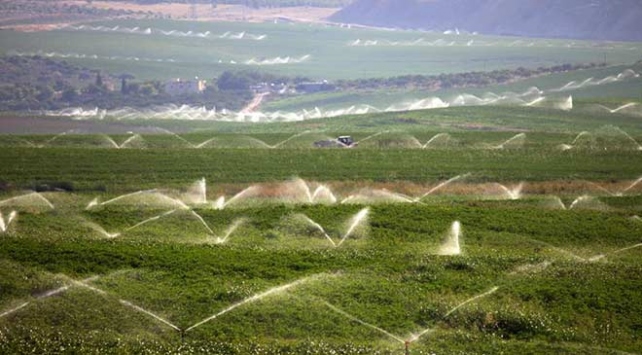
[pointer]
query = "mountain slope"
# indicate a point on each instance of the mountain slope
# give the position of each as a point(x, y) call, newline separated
point(582, 19)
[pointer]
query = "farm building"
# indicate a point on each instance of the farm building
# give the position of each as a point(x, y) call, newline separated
point(181, 87)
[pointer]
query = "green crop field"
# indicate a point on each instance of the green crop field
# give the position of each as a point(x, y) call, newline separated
point(163, 49)
point(622, 91)
point(233, 238)
point(491, 220)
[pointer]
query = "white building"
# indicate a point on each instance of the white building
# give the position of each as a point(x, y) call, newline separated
point(182, 87)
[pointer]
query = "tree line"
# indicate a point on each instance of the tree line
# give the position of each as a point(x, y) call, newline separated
point(458, 80)
point(37, 83)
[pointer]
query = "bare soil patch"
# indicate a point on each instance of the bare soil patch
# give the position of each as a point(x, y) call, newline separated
point(205, 12)
point(32, 22)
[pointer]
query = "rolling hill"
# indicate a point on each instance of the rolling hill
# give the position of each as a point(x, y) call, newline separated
point(581, 19)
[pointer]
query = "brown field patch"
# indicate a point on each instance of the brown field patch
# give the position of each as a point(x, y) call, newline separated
point(205, 12)
point(489, 190)
point(29, 22)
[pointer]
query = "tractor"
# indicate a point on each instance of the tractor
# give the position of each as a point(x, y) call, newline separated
point(339, 142)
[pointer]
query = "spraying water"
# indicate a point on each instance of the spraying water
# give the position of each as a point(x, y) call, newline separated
point(580, 200)
point(558, 203)
point(142, 310)
point(204, 143)
point(635, 183)
point(4, 224)
point(371, 326)
point(436, 137)
point(628, 136)
point(124, 144)
point(289, 139)
point(129, 140)
point(200, 218)
point(197, 193)
point(302, 185)
point(517, 139)
point(95, 201)
point(254, 298)
point(580, 136)
point(111, 141)
point(532, 268)
point(602, 256)
point(370, 137)
point(127, 303)
point(219, 204)
point(87, 286)
point(33, 198)
point(368, 196)
point(150, 220)
point(357, 220)
point(231, 229)
point(514, 193)
point(472, 299)
point(178, 137)
point(164, 200)
point(443, 184)
point(601, 188)
point(243, 194)
point(318, 227)
point(323, 193)
point(450, 245)
point(101, 230)
point(560, 250)
point(414, 337)
point(15, 309)
point(50, 140)
point(145, 197)
point(348, 199)
point(92, 203)
point(535, 102)
point(620, 108)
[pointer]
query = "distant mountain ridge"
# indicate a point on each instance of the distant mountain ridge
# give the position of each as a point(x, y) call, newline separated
point(619, 20)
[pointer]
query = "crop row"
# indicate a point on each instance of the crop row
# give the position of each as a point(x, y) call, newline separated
point(135, 169)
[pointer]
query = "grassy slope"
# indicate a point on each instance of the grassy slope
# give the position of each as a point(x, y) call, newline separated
point(332, 58)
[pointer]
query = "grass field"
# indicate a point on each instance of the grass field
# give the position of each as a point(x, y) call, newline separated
point(162, 49)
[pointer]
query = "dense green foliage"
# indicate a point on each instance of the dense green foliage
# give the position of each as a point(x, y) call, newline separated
point(37, 83)
point(100, 168)
point(16, 12)
point(389, 277)
point(457, 80)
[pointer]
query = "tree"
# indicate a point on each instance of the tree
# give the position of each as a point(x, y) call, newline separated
point(44, 93)
point(99, 80)
point(233, 81)
point(69, 94)
point(123, 86)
